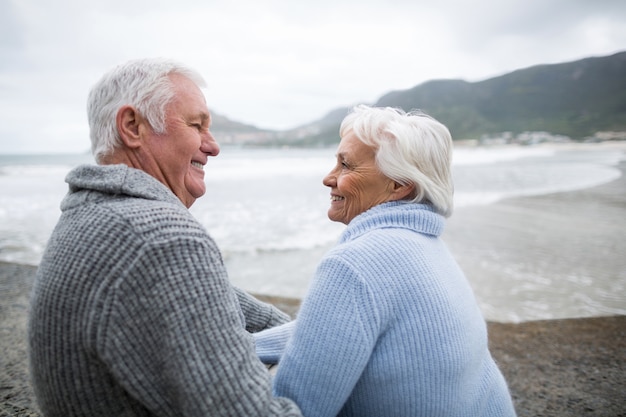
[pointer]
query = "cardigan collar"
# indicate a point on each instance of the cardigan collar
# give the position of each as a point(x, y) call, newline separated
point(113, 180)
point(420, 218)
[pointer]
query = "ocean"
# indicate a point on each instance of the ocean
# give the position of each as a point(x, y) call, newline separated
point(266, 208)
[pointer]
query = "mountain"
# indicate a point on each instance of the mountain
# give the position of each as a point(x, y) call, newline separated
point(228, 131)
point(324, 130)
point(575, 99)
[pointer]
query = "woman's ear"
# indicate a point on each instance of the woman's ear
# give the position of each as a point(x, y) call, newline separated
point(403, 191)
point(128, 121)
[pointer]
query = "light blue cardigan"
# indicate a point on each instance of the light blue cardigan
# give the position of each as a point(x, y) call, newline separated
point(390, 327)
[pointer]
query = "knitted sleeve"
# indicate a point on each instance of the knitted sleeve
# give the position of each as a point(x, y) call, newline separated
point(171, 333)
point(334, 337)
point(259, 315)
point(270, 343)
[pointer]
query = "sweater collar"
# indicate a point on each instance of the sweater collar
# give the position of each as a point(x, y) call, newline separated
point(114, 180)
point(420, 218)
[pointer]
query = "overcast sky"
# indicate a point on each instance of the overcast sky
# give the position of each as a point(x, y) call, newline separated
point(276, 64)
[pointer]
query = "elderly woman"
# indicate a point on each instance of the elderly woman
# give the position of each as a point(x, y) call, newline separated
point(390, 326)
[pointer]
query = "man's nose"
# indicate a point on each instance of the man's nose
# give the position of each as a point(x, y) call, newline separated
point(209, 145)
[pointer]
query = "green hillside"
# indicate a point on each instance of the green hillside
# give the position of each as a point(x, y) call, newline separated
point(575, 99)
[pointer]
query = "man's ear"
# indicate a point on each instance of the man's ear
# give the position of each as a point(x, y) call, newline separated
point(128, 122)
point(403, 191)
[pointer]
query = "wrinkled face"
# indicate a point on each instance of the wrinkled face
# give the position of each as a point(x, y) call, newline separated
point(177, 157)
point(356, 183)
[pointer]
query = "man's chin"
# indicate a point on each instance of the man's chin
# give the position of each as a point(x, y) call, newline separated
point(196, 187)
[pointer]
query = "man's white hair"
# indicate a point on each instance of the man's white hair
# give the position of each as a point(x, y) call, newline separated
point(143, 84)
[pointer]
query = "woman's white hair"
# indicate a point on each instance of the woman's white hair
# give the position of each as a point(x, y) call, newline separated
point(143, 84)
point(411, 148)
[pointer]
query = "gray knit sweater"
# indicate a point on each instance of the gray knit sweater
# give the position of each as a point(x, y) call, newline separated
point(132, 312)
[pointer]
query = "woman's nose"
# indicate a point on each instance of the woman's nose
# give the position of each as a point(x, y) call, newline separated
point(330, 179)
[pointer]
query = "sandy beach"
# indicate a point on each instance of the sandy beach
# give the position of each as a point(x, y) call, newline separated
point(570, 365)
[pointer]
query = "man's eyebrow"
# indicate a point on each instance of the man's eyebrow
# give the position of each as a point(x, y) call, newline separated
point(204, 117)
point(200, 115)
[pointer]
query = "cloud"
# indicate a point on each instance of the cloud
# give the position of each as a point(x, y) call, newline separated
point(275, 63)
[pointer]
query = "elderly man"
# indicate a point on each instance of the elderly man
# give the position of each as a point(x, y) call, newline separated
point(132, 312)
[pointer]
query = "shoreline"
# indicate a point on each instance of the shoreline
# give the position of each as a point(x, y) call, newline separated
point(565, 367)
point(561, 253)
point(541, 257)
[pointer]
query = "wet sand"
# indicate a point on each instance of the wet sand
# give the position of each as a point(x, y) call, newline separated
point(546, 257)
point(560, 367)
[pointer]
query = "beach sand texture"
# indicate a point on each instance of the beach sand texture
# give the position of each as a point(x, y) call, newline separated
point(562, 367)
